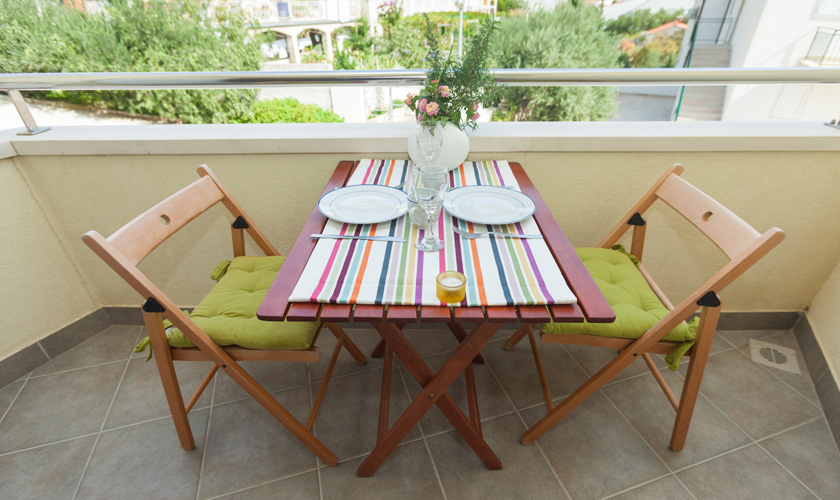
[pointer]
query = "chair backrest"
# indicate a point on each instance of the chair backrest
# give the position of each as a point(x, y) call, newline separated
point(130, 244)
point(739, 241)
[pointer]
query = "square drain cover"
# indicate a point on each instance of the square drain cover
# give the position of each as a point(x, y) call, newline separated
point(774, 355)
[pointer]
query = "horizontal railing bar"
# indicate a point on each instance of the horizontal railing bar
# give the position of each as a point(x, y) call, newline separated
point(414, 77)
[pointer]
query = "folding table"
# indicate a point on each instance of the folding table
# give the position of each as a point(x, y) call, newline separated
point(388, 321)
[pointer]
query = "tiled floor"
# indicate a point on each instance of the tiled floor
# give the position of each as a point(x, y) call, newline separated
point(93, 423)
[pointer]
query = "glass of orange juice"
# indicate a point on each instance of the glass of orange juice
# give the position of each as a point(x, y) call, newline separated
point(451, 287)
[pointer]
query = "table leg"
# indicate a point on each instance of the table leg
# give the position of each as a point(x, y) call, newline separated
point(433, 392)
point(385, 394)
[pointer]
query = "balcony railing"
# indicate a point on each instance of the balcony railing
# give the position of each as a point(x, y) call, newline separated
point(714, 30)
point(825, 48)
point(267, 11)
point(14, 83)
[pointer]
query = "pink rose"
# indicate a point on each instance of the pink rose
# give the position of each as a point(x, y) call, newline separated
point(432, 108)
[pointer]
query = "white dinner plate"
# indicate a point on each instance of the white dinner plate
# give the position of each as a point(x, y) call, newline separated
point(364, 204)
point(488, 205)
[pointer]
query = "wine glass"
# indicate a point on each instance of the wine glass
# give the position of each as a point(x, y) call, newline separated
point(429, 140)
point(432, 176)
point(430, 200)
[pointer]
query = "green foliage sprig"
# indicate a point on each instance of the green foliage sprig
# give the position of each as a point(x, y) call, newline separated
point(454, 88)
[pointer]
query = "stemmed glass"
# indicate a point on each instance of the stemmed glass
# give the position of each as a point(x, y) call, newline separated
point(429, 140)
point(429, 190)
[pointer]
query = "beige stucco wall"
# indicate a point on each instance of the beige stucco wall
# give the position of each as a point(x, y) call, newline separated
point(587, 192)
point(41, 289)
point(824, 315)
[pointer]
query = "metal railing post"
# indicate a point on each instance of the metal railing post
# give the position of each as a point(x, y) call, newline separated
point(22, 108)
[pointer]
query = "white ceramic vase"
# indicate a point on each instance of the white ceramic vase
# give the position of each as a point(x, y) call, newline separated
point(453, 150)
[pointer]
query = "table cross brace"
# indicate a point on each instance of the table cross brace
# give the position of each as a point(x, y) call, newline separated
point(433, 392)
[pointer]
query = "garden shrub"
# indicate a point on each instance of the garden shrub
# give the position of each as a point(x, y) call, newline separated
point(152, 36)
point(290, 110)
point(568, 37)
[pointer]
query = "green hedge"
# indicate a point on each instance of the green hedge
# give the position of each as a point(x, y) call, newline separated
point(137, 36)
point(290, 110)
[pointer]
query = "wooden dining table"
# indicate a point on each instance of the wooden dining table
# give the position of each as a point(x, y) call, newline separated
point(389, 320)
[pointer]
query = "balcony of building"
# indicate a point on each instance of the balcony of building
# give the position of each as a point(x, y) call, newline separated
point(81, 416)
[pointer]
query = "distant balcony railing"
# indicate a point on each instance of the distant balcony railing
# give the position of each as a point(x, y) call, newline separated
point(268, 11)
point(714, 30)
point(825, 48)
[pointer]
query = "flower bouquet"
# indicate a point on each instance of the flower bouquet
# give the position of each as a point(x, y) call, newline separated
point(454, 88)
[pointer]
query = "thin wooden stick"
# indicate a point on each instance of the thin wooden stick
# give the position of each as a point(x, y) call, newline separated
point(201, 387)
point(662, 383)
point(323, 389)
point(517, 336)
point(385, 393)
point(538, 361)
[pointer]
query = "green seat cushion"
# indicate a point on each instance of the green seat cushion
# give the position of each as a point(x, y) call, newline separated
point(635, 305)
point(228, 314)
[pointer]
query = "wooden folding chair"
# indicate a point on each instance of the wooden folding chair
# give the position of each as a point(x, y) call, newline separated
point(124, 249)
point(742, 244)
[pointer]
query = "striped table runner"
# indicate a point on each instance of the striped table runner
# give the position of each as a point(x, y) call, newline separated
point(499, 271)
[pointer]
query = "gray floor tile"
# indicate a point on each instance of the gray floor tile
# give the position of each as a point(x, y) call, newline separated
point(247, 446)
point(592, 359)
point(740, 338)
point(348, 418)
point(407, 474)
point(141, 396)
point(667, 488)
point(525, 473)
point(429, 342)
point(518, 374)
point(811, 454)
point(46, 472)
point(801, 382)
point(145, 461)
point(301, 487)
point(643, 403)
point(758, 403)
point(112, 344)
point(492, 400)
point(745, 473)
point(364, 338)
point(8, 395)
point(595, 451)
point(61, 406)
point(271, 375)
